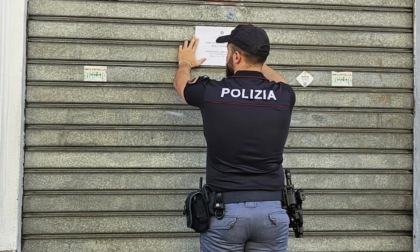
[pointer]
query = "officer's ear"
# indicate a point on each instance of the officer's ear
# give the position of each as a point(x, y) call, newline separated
point(237, 57)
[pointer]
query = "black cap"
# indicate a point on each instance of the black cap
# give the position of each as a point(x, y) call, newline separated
point(249, 38)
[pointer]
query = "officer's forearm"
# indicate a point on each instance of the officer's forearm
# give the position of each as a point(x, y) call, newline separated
point(182, 76)
point(272, 74)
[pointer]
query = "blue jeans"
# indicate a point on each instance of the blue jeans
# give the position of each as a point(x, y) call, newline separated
point(250, 226)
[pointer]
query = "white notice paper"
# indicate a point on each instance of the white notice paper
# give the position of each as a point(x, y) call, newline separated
point(342, 79)
point(215, 53)
point(95, 73)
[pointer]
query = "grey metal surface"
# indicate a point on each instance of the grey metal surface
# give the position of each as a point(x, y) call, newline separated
point(175, 244)
point(108, 164)
point(220, 13)
point(144, 73)
point(173, 115)
point(172, 179)
point(132, 158)
point(135, 53)
point(62, 30)
point(345, 3)
point(158, 137)
point(144, 200)
point(165, 95)
point(106, 223)
point(416, 132)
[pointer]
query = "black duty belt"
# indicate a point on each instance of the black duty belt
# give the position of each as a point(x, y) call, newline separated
point(249, 196)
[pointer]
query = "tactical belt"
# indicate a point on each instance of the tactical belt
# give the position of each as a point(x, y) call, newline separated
point(249, 196)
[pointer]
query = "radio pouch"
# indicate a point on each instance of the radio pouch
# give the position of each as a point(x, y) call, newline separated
point(196, 210)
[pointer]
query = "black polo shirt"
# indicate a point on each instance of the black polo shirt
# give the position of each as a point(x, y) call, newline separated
point(246, 121)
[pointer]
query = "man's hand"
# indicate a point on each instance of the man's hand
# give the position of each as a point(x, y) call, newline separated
point(186, 53)
point(186, 61)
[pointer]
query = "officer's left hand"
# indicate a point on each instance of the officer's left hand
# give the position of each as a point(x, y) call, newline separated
point(187, 51)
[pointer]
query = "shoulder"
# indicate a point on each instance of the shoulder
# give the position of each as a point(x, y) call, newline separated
point(203, 83)
point(284, 85)
point(199, 80)
point(196, 89)
point(286, 89)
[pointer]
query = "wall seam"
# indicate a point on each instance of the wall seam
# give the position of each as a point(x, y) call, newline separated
point(13, 16)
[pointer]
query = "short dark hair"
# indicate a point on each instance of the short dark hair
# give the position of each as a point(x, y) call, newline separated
point(249, 57)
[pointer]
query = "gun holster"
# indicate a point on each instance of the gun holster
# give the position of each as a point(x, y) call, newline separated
point(199, 207)
point(293, 204)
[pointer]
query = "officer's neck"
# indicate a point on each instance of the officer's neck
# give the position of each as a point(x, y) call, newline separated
point(243, 66)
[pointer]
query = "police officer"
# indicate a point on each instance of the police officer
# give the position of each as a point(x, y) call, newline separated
point(246, 118)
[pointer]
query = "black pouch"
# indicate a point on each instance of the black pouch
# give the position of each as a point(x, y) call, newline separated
point(196, 209)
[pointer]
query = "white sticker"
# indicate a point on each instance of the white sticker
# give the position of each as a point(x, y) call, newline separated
point(342, 79)
point(305, 78)
point(215, 53)
point(95, 73)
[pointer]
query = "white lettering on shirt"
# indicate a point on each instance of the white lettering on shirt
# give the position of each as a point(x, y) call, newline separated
point(253, 94)
point(225, 91)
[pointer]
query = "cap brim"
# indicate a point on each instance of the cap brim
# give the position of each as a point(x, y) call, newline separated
point(223, 39)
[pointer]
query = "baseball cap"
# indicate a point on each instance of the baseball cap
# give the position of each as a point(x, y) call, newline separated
point(249, 38)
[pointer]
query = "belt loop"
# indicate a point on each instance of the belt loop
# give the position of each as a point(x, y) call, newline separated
point(219, 207)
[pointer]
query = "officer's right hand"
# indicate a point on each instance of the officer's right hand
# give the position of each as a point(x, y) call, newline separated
point(186, 53)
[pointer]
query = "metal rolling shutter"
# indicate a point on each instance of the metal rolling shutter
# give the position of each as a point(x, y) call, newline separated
point(108, 164)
